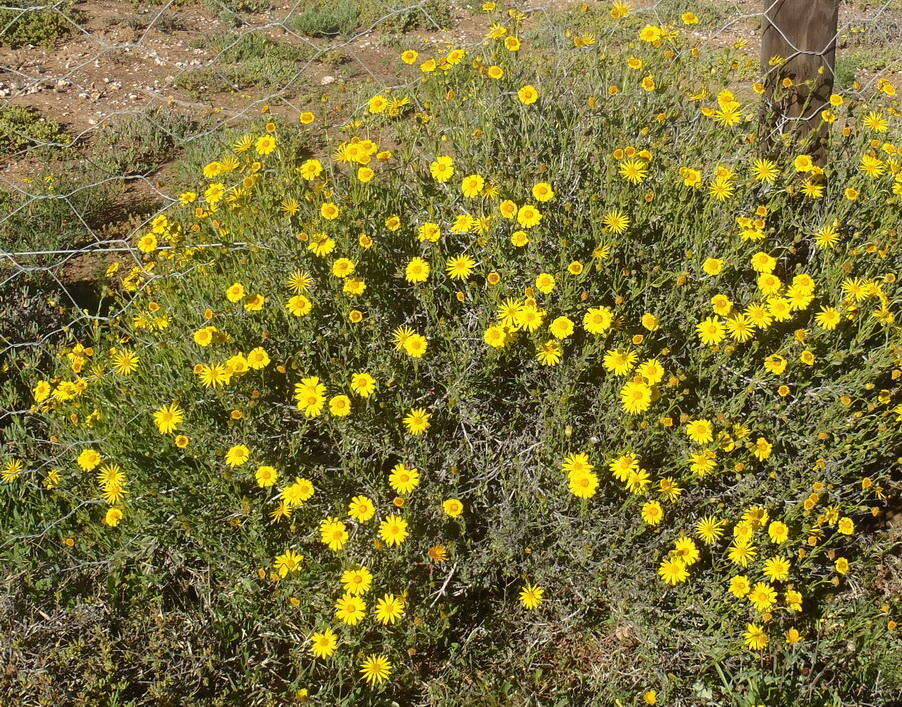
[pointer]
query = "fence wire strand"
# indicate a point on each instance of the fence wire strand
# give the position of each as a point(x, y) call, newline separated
point(35, 272)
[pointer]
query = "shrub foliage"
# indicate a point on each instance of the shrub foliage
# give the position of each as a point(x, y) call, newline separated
point(602, 399)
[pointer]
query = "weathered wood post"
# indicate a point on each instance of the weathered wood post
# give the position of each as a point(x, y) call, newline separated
point(803, 34)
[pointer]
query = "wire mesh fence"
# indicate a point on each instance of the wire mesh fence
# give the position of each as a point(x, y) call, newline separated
point(107, 105)
point(100, 99)
point(111, 110)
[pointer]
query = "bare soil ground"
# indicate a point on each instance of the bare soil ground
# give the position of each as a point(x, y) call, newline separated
point(129, 57)
point(126, 60)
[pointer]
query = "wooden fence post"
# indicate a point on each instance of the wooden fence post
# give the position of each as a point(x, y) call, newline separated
point(803, 33)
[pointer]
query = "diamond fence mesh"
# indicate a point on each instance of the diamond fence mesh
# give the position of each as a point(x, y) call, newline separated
point(108, 106)
point(102, 101)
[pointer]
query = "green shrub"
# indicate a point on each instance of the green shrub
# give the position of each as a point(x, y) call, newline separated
point(614, 271)
point(233, 12)
point(245, 60)
point(327, 18)
point(851, 63)
point(25, 129)
point(35, 23)
point(238, 6)
point(58, 211)
point(343, 17)
point(141, 143)
point(399, 16)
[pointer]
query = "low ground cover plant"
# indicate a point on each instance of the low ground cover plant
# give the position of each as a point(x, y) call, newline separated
point(542, 381)
point(23, 22)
